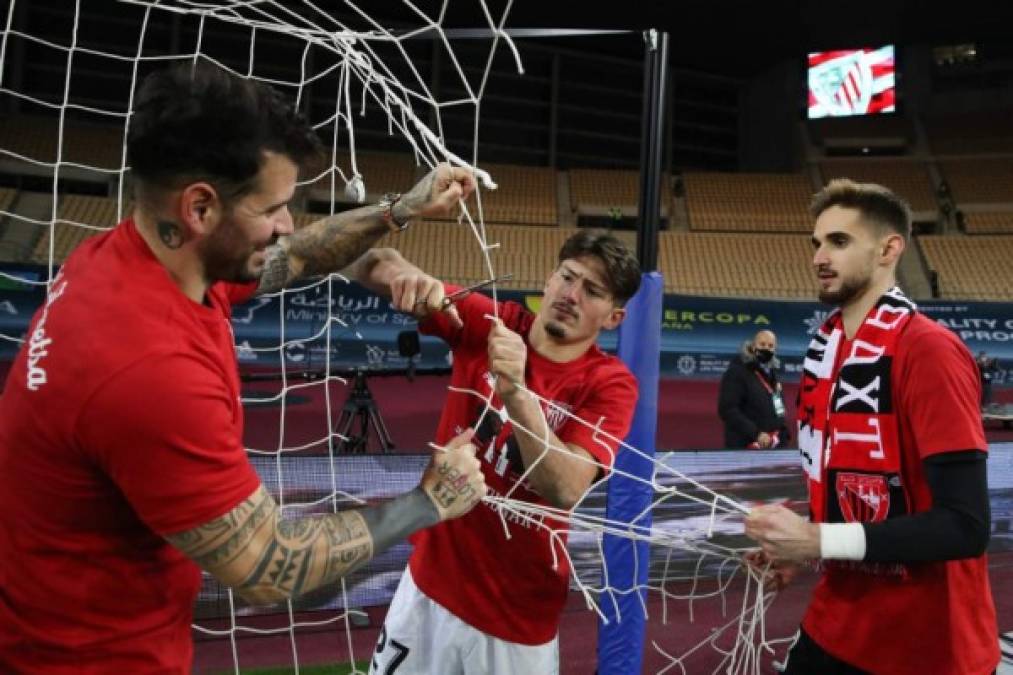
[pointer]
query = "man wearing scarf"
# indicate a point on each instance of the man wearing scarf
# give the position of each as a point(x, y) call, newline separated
point(894, 453)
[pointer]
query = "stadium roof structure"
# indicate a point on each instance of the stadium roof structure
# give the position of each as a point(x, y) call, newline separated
point(740, 38)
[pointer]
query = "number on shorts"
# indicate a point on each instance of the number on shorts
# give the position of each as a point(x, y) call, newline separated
point(400, 653)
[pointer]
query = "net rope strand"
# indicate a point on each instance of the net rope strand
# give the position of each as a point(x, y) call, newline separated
point(354, 56)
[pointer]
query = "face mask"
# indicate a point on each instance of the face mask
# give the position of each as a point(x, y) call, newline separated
point(764, 355)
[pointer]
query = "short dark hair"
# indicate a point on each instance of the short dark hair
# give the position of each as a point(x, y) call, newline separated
point(875, 203)
point(197, 121)
point(622, 271)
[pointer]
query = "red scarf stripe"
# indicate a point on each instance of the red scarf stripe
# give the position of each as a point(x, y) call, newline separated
point(848, 431)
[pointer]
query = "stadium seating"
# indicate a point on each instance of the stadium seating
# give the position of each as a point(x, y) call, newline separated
point(78, 218)
point(909, 179)
point(737, 265)
point(988, 222)
point(36, 138)
point(525, 195)
point(748, 202)
point(980, 180)
point(7, 196)
point(450, 251)
point(10, 250)
point(736, 221)
point(971, 267)
point(598, 190)
point(380, 173)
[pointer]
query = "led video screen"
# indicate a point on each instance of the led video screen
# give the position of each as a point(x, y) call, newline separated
point(850, 82)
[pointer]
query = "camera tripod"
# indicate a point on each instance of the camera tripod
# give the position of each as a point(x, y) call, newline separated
point(360, 406)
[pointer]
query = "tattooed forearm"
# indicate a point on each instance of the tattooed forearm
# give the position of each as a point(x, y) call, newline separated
point(278, 271)
point(268, 559)
point(307, 553)
point(349, 545)
point(220, 541)
point(331, 244)
point(415, 199)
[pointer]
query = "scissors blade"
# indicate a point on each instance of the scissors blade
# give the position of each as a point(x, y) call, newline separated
point(461, 293)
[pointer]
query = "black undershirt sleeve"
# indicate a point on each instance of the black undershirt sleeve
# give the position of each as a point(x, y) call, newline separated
point(391, 521)
point(957, 525)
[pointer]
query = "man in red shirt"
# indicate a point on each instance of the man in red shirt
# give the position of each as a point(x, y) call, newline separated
point(121, 455)
point(485, 594)
point(892, 444)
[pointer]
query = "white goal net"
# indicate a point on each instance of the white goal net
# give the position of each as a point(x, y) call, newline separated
point(68, 75)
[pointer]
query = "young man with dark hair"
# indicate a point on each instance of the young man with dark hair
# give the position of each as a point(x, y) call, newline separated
point(894, 453)
point(476, 598)
point(123, 467)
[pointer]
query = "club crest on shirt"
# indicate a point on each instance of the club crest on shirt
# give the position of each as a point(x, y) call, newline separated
point(557, 413)
point(863, 498)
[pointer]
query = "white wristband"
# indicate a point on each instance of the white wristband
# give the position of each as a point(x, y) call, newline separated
point(842, 541)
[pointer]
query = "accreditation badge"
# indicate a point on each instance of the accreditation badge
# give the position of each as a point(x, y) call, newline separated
point(778, 403)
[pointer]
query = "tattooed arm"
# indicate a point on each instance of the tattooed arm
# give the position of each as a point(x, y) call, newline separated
point(267, 559)
point(331, 244)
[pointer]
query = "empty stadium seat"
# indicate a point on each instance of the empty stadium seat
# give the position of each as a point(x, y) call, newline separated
point(451, 251)
point(737, 265)
point(971, 267)
point(981, 180)
point(38, 139)
point(596, 190)
point(381, 173)
point(78, 218)
point(524, 195)
point(989, 222)
point(7, 196)
point(692, 263)
point(908, 179)
point(748, 202)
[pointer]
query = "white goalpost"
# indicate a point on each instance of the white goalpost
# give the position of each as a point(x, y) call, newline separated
point(366, 71)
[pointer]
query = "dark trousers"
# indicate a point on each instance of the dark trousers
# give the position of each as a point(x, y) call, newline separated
point(808, 658)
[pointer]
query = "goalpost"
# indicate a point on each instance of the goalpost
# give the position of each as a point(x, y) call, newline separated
point(365, 68)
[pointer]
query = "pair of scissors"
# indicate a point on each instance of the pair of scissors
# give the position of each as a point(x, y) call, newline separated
point(468, 290)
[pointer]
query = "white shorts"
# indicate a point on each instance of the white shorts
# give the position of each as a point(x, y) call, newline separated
point(420, 637)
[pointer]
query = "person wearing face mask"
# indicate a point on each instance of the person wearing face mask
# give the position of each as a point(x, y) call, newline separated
point(750, 402)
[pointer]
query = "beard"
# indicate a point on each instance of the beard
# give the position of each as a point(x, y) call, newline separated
point(226, 254)
point(850, 289)
point(555, 330)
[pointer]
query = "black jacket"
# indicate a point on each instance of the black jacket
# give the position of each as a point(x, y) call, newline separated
point(744, 403)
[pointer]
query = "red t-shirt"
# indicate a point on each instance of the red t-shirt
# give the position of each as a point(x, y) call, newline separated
point(940, 618)
point(120, 422)
point(508, 587)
